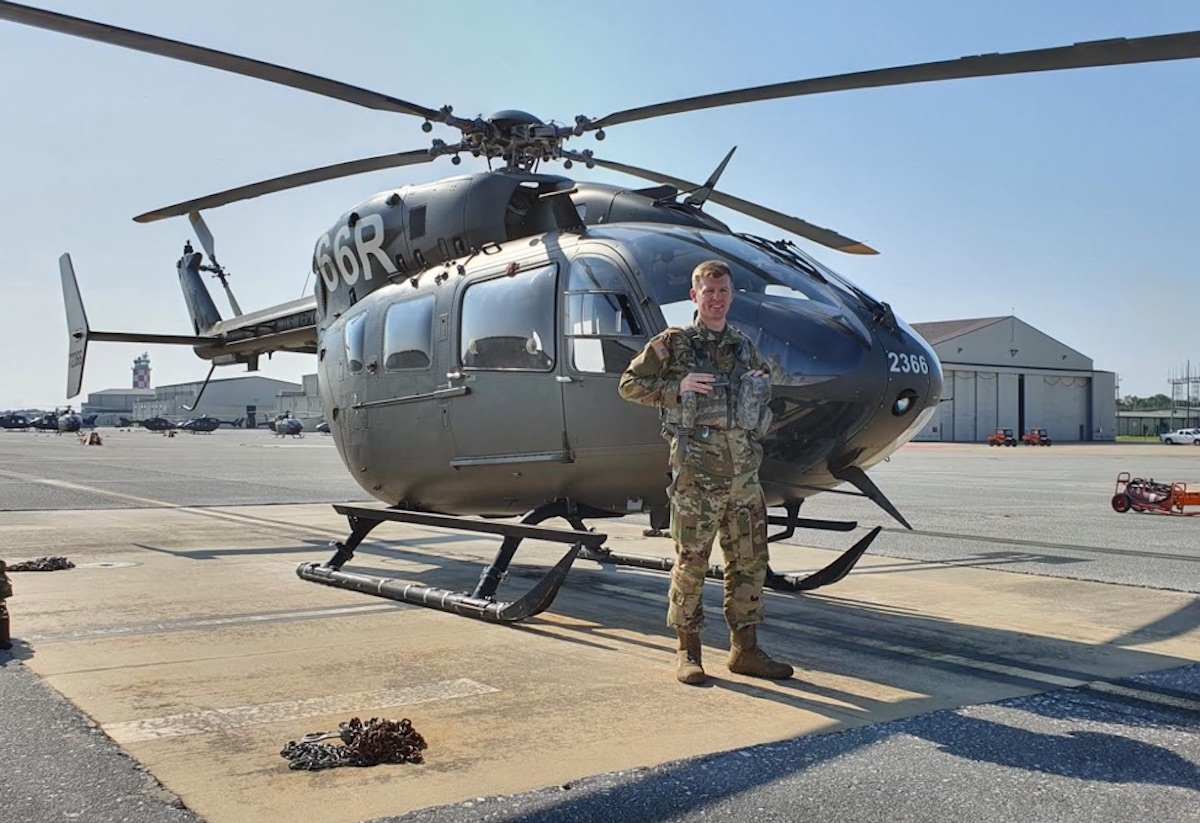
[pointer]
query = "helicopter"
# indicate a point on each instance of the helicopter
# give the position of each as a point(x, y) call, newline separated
point(154, 424)
point(60, 421)
point(284, 425)
point(14, 420)
point(470, 332)
point(207, 425)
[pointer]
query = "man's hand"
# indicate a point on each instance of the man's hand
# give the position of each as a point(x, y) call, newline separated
point(698, 382)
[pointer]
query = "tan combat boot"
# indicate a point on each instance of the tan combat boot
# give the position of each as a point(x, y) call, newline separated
point(687, 660)
point(746, 657)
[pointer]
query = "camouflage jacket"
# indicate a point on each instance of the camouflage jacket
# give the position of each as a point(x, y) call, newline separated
point(653, 378)
point(5, 586)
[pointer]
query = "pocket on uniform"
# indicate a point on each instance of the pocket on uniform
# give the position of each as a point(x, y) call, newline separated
point(684, 526)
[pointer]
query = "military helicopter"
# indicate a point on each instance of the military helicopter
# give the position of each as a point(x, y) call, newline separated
point(284, 425)
point(154, 424)
point(470, 333)
point(207, 425)
point(61, 421)
point(14, 421)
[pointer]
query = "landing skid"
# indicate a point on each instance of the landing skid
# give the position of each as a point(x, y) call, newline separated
point(481, 603)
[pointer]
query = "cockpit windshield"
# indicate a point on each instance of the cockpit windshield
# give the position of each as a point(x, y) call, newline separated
point(666, 257)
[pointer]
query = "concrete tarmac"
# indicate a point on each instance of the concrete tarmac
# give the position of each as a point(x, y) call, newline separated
point(1025, 653)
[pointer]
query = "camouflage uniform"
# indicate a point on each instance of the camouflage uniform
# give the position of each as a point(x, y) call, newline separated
point(715, 488)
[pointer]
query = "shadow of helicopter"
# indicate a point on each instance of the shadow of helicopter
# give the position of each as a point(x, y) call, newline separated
point(470, 332)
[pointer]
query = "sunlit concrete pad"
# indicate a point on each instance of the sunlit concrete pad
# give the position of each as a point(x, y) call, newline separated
point(186, 635)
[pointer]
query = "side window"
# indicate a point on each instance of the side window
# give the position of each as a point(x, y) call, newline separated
point(356, 333)
point(407, 332)
point(602, 326)
point(508, 322)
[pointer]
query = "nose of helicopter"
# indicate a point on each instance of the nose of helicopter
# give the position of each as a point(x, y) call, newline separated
point(845, 392)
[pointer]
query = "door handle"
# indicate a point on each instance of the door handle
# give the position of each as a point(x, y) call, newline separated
point(562, 378)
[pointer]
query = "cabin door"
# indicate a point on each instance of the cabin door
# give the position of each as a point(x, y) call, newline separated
point(511, 414)
point(609, 436)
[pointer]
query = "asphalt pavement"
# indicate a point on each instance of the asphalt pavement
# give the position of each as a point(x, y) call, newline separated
point(1101, 748)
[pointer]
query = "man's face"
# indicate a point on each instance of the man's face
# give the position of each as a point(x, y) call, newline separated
point(712, 301)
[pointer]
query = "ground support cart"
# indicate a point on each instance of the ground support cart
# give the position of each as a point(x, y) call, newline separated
point(1141, 495)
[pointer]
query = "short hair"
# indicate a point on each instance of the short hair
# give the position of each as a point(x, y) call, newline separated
point(710, 269)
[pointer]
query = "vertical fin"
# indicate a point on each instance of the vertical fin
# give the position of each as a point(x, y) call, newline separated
point(77, 326)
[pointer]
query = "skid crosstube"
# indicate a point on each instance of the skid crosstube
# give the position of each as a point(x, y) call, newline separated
point(481, 602)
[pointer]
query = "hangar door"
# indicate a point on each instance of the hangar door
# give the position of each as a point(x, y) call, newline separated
point(1058, 404)
point(980, 402)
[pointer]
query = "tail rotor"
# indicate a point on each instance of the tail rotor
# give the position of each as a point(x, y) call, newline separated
point(216, 269)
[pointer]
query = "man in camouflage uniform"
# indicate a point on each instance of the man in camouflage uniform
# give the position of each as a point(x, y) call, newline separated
point(712, 385)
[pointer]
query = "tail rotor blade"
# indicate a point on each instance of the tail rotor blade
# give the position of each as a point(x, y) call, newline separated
point(204, 236)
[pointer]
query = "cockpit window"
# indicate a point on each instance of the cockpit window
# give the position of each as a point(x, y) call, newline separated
point(666, 259)
point(602, 325)
point(356, 335)
point(508, 322)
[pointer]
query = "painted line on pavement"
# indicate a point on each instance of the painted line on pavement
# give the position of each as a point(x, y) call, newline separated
point(1144, 696)
point(194, 623)
point(216, 721)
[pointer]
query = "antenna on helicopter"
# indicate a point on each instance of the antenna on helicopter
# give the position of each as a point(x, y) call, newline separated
point(216, 269)
point(700, 195)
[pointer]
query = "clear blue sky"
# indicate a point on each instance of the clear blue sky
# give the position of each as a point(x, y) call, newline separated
point(1069, 199)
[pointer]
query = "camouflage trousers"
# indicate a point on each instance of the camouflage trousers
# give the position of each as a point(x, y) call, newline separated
point(703, 507)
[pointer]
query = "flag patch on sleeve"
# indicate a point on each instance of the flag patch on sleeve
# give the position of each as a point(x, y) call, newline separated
point(659, 349)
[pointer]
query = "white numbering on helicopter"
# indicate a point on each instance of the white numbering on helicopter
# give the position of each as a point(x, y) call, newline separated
point(348, 254)
point(906, 363)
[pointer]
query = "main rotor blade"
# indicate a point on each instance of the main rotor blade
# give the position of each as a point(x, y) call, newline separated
point(175, 50)
point(826, 237)
point(289, 181)
point(1118, 51)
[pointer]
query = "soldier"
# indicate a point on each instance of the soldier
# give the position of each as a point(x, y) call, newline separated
point(712, 386)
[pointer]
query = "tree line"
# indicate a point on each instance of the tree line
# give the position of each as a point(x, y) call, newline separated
point(1159, 402)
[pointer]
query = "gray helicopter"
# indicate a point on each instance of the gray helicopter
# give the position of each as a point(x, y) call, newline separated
point(470, 333)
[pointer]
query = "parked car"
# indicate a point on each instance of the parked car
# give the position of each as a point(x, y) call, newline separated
point(1185, 436)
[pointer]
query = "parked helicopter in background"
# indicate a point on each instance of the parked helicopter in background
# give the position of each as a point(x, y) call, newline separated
point(61, 421)
point(154, 424)
point(284, 425)
point(207, 425)
point(470, 333)
point(14, 421)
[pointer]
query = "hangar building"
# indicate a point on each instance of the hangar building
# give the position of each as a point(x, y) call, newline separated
point(1002, 372)
point(251, 397)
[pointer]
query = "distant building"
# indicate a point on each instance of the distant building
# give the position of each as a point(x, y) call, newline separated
point(253, 398)
point(1002, 372)
point(1146, 423)
point(305, 404)
point(112, 404)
